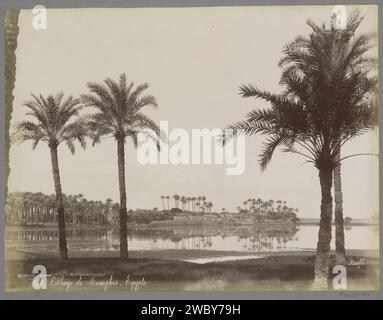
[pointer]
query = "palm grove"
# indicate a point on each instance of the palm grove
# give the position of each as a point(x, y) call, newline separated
point(329, 98)
point(116, 112)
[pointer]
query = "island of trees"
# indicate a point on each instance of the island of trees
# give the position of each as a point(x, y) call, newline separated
point(38, 209)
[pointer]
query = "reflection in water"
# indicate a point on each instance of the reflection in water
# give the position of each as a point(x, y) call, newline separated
point(229, 238)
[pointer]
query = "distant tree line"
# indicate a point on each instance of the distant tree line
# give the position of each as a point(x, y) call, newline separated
point(270, 209)
point(192, 204)
point(39, 208)
point(30, 208)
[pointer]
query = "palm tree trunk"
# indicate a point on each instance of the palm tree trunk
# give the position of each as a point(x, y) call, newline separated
point(322, 262)
point(339, 226)
point(59, 204)
point(123, 210)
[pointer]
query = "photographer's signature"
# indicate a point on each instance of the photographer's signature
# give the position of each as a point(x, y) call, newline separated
point(356, 262)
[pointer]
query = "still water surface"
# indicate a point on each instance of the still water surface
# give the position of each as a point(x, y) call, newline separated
point(240, 239)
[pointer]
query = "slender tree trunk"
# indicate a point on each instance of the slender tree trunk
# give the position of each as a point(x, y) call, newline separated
point(123, 210)
point(59, 204)
point(322, 262)
point(339, 224)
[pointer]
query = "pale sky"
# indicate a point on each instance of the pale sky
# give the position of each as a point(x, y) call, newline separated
point(194, 60)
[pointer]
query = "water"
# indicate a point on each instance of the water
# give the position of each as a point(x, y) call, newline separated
point(235, 238)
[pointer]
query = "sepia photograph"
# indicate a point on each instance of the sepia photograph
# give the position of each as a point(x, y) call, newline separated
point(191, 149)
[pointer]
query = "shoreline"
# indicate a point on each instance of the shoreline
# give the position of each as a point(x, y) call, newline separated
point(156, 226)
point(174, 254)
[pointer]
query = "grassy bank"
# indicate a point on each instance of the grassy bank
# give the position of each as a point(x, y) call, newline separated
point(282, 271)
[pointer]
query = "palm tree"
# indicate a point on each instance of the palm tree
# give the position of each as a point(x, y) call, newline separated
point(252, 209)
point(203, 199)
point(55, 121)
point(163, 203)
point(119, 114)
point(308, 119)
point(356, 61)
point(208, 207)
point(253, 203)
point(199, 199)
point(176, 198)
point(197, 206)
point(350, 59)
point(167, 198)
point(183, 202)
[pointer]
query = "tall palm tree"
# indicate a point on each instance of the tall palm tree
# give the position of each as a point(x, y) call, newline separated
point(350, 57)
point(56, 121)
point(199, 203)
point(119, 114)
point(309, 119)
point(356, 60)
point(183, 202)
point(203, 199)
point(163, 203)
point(197, 206)
point(176, 198)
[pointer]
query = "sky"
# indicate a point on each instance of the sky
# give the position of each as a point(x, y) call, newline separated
point(194, 60)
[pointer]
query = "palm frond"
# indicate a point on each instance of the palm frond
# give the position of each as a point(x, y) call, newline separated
point(27, 130)
point(75, 131)
point(329, 97)
point(268, 149)
point(118, 104)
point(55, 119)
point(147, 100)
